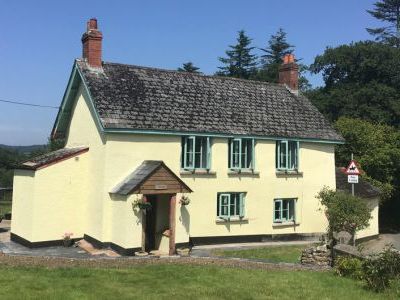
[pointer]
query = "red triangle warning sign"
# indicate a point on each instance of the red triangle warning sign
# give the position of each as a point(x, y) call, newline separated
point(352, 169)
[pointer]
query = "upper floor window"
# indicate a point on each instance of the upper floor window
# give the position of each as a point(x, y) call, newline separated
point(230, 205)
point(241, 153)
point(196, 152)
point(287, 155)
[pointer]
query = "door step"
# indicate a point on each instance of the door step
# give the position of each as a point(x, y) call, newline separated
point(89, 248)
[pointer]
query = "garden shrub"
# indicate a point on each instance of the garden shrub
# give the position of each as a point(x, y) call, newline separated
point(349, 267)
point(344, 211)
point(380, 269)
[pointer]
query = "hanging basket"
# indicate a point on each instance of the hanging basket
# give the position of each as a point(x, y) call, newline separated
point(185, 200)
point(141, 204)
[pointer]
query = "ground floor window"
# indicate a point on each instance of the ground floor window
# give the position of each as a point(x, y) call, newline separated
point(284, 210)
point(230, 205)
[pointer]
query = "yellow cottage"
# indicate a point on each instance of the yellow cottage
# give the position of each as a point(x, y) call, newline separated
point(158, 159)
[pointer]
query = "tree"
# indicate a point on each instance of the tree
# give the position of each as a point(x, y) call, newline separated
point(376, 147)
point(344, 211)
point(189, 67)
point(362, 80)
point(387, 11)
point(240, 62)
point(277, 48)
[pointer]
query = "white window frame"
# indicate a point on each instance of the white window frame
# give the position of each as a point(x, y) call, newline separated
point(185, 164)
point(291, 163)
point(241, 165)
point(291, 202)
point(231, 198)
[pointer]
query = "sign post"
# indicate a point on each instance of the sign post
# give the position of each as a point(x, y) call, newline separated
point(352, 172)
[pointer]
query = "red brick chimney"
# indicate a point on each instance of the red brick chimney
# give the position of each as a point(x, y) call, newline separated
point(289, 73)
point(91, 42)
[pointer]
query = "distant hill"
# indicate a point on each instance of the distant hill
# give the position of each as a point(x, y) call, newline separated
point(23, 149)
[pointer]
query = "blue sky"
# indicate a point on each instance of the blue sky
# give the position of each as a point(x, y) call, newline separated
point(40, 39)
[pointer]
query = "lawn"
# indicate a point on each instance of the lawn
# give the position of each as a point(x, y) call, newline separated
point(290, 254)
point(179, 282)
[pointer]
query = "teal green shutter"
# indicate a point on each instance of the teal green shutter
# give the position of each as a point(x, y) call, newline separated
point(298, 155)
point(185, 140)
point(208, 154)
point(253, 157)
point(241, 203)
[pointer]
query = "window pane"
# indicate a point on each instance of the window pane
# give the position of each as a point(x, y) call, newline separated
point(189, 152)
point(203, 163)
point(237, 204)
point(244, 154)
point(277, 209)
point(292, 155)
point(291, 209)
point(236, 154)
point(282, 155)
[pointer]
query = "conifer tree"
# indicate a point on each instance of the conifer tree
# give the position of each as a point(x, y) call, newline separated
point(387, 11)
point(277, 48)
point(189, 67)
point(240, 61)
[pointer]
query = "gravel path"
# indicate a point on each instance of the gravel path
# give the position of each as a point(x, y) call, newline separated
point(122, 262)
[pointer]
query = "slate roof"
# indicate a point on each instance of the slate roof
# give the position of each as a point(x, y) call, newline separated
point(50, 158)
point(133, 97)
point(362, 189)
point(137, 177)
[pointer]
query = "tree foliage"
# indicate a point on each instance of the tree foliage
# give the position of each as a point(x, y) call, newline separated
point(376, 147)
point(277, 47)
point(387, 11)
point(240, 61)
point(344, 211)
point(362, 80)
point(189, 67)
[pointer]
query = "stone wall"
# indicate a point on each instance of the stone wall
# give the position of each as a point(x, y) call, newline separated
point(317, 256)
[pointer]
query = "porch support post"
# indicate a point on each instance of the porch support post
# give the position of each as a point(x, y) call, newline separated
point(172, 215)
point(144, 226)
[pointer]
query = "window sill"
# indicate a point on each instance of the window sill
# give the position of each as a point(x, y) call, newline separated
point(243, 172)
point(198, 172)
point(289, 173)
point(232, 220)
point(285, 224)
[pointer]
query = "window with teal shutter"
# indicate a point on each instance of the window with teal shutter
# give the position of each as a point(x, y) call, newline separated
point(196, 153)
point(287, 155)
point(241, 154)
point(230, 205)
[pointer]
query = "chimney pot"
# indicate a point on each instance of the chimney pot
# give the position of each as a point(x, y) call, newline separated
point(289, 73)
point(92, 44)
point(92, 24)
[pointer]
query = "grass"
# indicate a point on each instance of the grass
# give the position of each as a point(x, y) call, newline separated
point(179, 282)
point(290, 254)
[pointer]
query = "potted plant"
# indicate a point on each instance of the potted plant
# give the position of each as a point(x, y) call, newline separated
point(67, 240)
point(185, 200)
point(141, 204)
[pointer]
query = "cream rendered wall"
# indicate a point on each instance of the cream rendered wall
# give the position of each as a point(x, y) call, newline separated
point(59, 199)
point(373, 228)
point(83, 131)
point(23, 203)
point(126, 152)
